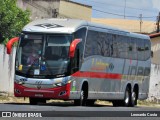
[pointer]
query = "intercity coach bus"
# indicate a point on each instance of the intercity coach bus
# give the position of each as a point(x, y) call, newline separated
point(71, 59)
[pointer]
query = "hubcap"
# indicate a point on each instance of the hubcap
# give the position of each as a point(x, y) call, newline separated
point(127, 98)
point(133, 97)
point(82, 97)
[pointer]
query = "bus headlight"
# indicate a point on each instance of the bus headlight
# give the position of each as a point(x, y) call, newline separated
point(58, 84)
point(61, 81)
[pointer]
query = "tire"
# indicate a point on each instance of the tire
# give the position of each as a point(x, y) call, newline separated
point(82, 100)
point(127, 98)
point(133, 99)
point(33, 101)
point(125, 102)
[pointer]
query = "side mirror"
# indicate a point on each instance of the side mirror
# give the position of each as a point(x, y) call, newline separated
point(10, 43)
point(73, 47)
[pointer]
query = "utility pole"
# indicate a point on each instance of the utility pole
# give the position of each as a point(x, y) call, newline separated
point(158, 22)
point(124, 9)
point(140, 17)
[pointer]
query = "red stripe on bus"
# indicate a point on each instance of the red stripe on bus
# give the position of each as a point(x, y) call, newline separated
point(97, 75)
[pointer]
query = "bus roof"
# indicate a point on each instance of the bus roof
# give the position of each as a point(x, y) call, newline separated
point(68, 26)
point(55, 25)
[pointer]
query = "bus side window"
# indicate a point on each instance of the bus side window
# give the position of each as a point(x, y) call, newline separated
point(91, 46)
point(147, 49)
point(115, 46)
point(81, 34)
point(133, 49)
point(140, 49)
point(104, 41)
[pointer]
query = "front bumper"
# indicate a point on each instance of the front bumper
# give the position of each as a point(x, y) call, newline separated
point(62, 92)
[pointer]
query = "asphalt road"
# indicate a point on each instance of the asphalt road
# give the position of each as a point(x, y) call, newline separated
point(69, 111)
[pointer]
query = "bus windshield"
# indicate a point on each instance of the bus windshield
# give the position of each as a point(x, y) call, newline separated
point(43, 55)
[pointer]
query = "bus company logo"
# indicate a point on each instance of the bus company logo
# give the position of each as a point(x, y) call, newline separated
point(111, 66)
point(48, 25)
point(23, 79)
point(39, 83)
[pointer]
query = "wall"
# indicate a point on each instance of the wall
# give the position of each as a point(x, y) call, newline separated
point(55, 8)
point(75, 10)
point(155, 71)
point(40, 8)
point(129, 25)
point(156, 50)
point(154, 89)
point(6, 70)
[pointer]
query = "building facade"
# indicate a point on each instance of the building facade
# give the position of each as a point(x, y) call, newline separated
point(154, 91)
point(56, 8)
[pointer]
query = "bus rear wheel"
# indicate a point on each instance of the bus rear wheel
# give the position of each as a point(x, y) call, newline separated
point(133, 99)
point(127, 97)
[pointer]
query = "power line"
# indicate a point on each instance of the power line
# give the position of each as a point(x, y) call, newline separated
point(140, 17)
point(121, 14)
point(104, 3)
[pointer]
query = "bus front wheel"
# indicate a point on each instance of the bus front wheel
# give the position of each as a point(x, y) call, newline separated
point(83, 97)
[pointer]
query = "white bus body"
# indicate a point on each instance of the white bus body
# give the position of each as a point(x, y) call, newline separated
point(99, 62)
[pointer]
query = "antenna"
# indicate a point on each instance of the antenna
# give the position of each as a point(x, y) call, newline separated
point(124, 9)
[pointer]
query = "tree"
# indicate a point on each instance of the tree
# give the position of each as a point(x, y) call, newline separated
point(12, 19)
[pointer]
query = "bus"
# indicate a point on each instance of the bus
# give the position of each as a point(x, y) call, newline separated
point(70, 59)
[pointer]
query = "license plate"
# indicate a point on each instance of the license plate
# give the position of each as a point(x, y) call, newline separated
point(38, 95)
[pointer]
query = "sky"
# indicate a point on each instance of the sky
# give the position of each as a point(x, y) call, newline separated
point(131, 9)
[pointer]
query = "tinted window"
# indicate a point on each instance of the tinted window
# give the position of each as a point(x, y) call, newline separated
point(147, 48)
point(115, 46)
point(122, 46)
point(81, 33)
point(91, 46)
point(140, 49)
point(98, 43)
point(132, 49)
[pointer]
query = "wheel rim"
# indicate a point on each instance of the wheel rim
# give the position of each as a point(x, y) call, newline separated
point(127, 98)
point(133, 97)
point(82, 97)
